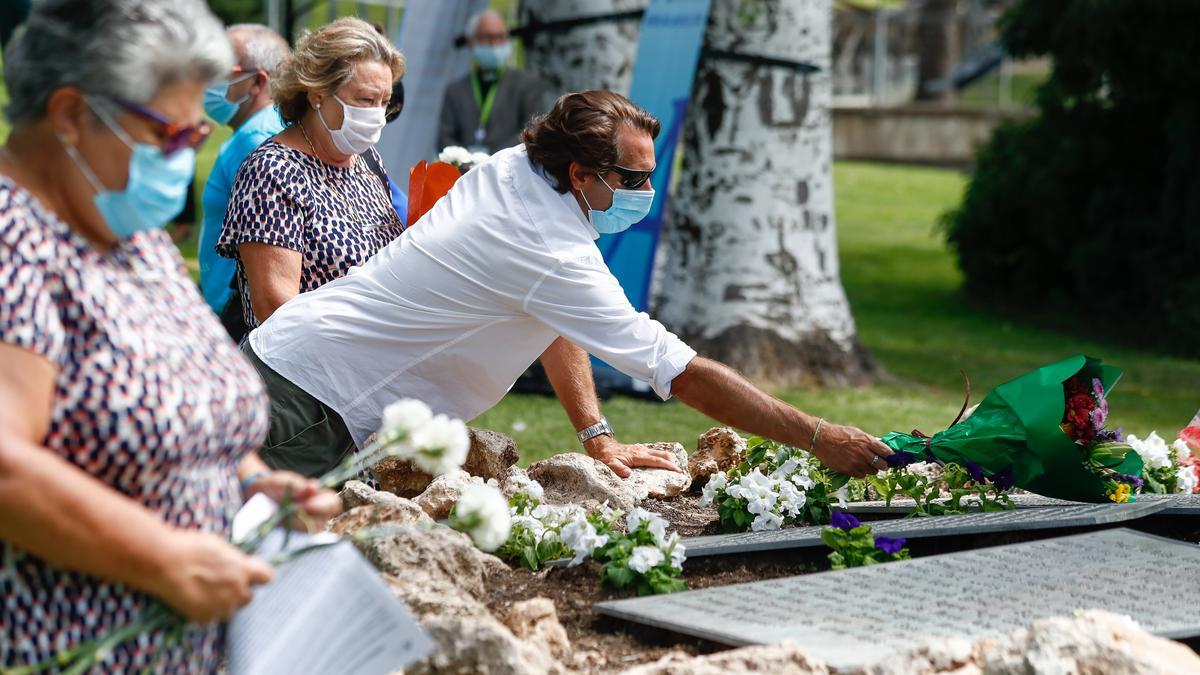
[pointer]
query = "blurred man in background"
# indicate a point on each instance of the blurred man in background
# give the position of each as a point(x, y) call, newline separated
point(242, 101)
point(486, 110)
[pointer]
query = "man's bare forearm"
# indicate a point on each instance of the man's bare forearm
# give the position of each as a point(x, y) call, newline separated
point(570, 373)
point(724, 395)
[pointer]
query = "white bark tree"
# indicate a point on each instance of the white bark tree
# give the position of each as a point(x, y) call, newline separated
point(595, 56)
point(751, 276)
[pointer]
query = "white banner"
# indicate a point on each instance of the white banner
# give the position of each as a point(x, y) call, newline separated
point(427, 34)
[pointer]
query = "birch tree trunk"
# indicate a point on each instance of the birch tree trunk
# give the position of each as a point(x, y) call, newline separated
point(751, 278)
point(595, 56)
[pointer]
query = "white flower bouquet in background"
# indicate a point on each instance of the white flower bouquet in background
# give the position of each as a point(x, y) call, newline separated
point(1169, 469)
point(461, 158)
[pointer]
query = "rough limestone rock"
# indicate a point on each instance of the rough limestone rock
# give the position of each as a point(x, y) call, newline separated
point(718, 449)
point(437, 571)
point(481, 644)
point(536, 621)
point(1096, 642)
point(781, 659)
point(513, 481)
point(443, 493)
point(405, 513)
point(490, 456)
point(357, 493)
point(661, 483)
point(574, 478)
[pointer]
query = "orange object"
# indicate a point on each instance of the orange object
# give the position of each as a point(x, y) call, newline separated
point(428, 183)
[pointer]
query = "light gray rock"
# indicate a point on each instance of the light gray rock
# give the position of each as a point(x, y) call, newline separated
point(536, 621)
point(660, 483)
point(357, 493)
point(781, 659)
point(1096, 642)
point(437, 571)
point(574, 478)
point(483, 645)
point(443, 493)
point(718, 449)
point(490, 457)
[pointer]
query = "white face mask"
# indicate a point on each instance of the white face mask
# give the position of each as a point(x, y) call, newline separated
point(361, 128)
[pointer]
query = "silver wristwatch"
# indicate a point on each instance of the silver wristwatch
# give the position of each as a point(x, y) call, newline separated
point(599, 428)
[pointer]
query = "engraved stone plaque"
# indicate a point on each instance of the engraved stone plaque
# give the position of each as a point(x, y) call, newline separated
point(1081, 515)
point(852, 618)
point(1176, 505)
point(903, 506)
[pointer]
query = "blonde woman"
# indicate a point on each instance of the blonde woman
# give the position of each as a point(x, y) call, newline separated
point(313, 201)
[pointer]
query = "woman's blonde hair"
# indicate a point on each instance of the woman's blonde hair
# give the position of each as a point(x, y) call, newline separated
point(325, 60)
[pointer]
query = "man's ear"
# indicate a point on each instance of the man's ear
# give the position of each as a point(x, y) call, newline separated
point(578, 175)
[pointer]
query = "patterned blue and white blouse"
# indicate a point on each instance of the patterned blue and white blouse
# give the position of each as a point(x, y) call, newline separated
point(150, 398)
point(336, 217)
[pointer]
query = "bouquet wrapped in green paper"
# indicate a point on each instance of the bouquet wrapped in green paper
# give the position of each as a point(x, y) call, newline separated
point(1043, 431)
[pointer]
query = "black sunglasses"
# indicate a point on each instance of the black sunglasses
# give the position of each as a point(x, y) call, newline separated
point(630, 179)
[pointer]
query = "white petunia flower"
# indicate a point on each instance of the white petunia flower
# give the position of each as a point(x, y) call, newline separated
point(483, 513)
point(441, 445)
point(529, 486)
point(843, 494)
point(1185, 480)
point(678, 555)
point(1153, 450)
point(715, 484)
point(404, 417)
point(786, 469)
point(645, 558)
point(791, 499)
point(803, 480)
point(581, 537)
point(766, 522)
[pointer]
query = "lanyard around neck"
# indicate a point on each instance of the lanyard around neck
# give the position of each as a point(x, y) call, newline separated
point(485, 104)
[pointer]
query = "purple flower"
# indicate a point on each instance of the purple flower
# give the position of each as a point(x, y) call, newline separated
point(899, 460)
point(844, 521)
point(1132, 481)
point(890, 545)
point(1004, 478)
point(975, 471)
point(1097, 389)
point(1110, 436)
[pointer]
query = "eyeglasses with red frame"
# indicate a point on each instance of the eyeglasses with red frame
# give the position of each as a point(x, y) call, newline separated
point(177, 137)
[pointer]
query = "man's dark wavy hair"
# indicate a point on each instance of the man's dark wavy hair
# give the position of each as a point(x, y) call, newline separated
point(582, 127)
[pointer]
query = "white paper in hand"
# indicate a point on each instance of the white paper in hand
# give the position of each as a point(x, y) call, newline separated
point(253, 513)
point(326, 612)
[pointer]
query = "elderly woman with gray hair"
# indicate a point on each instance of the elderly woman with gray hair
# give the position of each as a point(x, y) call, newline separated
point(126, 416)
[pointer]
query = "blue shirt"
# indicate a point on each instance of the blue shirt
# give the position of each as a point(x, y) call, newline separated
point(399, 201)
point(216, 271)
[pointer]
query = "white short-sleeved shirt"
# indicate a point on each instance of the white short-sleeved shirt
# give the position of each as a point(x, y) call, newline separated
point(456, 309)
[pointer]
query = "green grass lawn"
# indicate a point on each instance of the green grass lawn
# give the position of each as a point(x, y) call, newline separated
point(904, 289)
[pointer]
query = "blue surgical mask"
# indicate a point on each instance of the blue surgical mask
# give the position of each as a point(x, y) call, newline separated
point(492, 57)
point(153, 194)
point(220, 108)
point(628, 207)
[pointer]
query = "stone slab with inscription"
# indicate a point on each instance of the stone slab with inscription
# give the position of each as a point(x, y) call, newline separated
point(1179, 504)
point(1057, 517)
point(853, 618)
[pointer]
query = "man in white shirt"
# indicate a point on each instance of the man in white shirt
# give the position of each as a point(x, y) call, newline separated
point(502, 271)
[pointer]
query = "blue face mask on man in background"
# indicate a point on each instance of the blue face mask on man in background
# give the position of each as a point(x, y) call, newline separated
point(220, 108)
point(628, 207)
point(154, 192)
point(492, 57)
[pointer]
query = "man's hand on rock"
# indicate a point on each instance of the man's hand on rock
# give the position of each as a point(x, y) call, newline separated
point(621, 458)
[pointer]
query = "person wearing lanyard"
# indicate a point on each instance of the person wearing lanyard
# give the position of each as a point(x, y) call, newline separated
point(486, 110)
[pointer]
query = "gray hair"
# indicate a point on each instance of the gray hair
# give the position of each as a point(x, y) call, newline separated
point(473, 22)
point(257, 47)
point(124, 48)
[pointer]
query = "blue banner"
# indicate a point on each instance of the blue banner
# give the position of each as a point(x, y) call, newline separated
point(668, 49)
